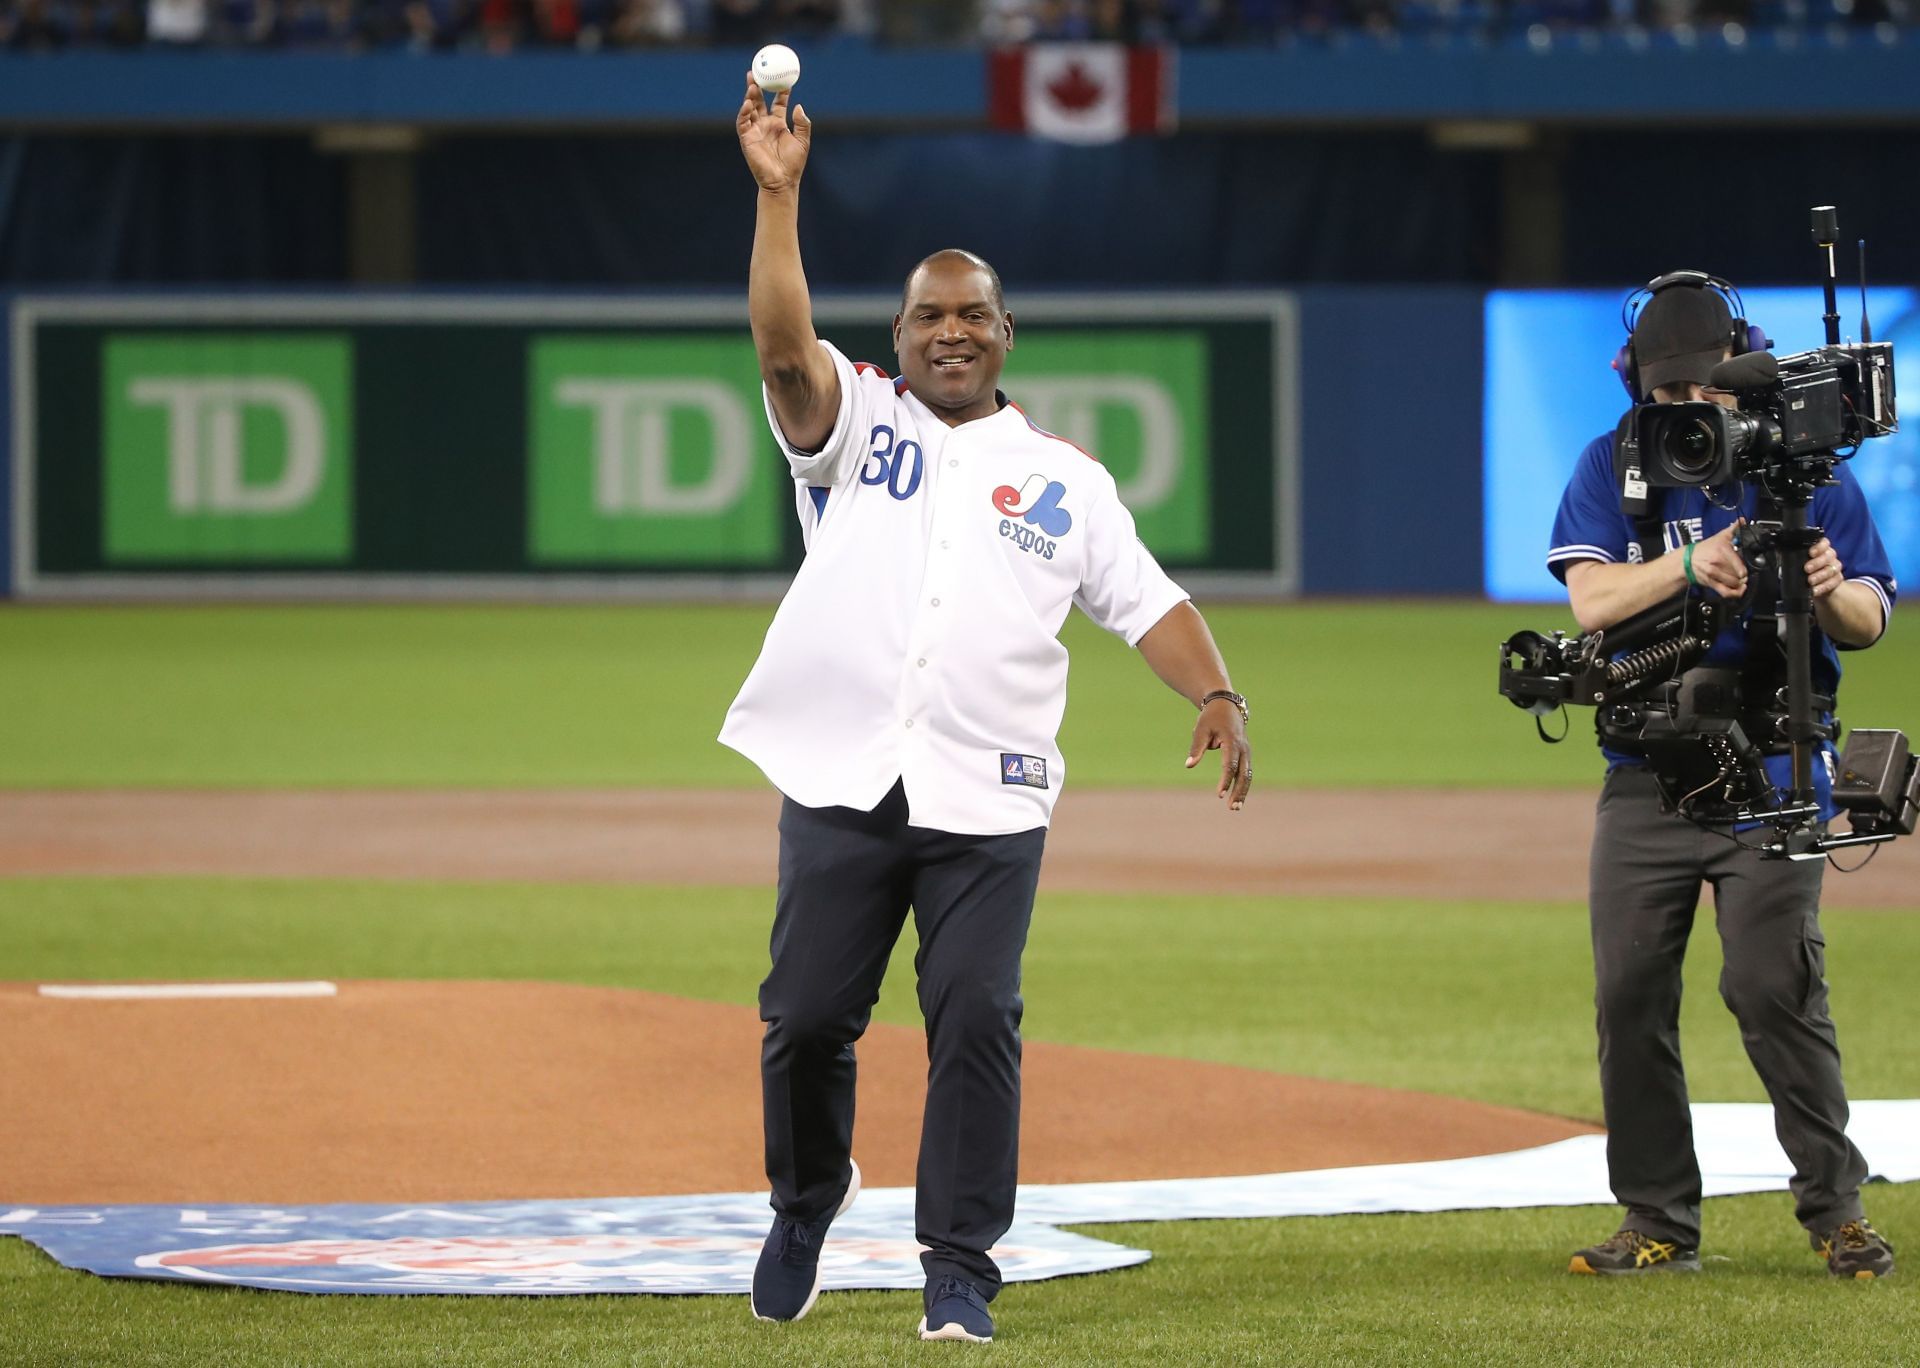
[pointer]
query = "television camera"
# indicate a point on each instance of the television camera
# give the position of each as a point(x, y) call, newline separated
point(1704, 731)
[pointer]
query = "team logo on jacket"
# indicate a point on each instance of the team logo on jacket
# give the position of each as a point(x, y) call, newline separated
point(1033, 510)
point(1037, 502)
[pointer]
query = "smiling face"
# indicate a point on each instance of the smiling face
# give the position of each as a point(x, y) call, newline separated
point(952, 336)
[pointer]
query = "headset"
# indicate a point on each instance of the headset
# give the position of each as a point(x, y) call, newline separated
point(1743, 337)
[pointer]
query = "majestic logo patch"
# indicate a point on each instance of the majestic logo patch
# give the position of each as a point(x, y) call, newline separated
point(1038, 502)
point(1030, 770)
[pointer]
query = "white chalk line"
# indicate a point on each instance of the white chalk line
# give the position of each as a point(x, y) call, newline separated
point(150, 991)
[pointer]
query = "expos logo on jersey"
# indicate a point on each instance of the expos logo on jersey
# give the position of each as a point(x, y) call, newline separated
point(1034, 517)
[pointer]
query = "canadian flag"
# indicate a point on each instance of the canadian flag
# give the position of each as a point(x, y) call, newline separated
point(1081, 92)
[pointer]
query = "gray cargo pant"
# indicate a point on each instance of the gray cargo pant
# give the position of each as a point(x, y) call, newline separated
point(1643, 887)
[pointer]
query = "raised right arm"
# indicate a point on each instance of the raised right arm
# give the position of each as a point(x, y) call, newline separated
point(800, 377)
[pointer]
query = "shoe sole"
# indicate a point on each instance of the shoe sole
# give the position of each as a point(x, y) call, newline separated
point(1578, 1264)
point(952, 1330)
point(853, 1191)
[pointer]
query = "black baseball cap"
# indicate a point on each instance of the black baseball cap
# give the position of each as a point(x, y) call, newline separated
point(1682, 333)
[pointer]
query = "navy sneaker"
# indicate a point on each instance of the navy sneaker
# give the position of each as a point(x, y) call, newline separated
point(786, 1281)
point(956, 1311)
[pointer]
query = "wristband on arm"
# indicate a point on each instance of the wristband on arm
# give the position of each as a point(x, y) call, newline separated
point(1686, 563)
point(1232, 698)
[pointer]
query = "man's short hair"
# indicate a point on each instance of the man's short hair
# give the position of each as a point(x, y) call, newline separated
point(972, 259)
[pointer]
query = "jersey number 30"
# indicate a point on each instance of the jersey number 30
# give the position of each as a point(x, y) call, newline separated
point(887, 463)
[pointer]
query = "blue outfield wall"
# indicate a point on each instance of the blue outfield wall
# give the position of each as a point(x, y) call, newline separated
point(1390, 441)
point(1866, 74)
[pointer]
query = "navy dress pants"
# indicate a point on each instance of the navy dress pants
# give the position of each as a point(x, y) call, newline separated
point(847, 881)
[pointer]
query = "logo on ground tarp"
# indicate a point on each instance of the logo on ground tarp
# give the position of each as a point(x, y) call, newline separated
point(228, 448)
point(514, 1263)
point(696, 1244)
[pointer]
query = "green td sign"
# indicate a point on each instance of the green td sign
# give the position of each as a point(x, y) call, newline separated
point(1138, 401)
point(227, 448)
point(651, 451)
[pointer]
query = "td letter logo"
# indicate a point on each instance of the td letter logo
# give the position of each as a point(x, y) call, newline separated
point(228, 449)
point(650, 451)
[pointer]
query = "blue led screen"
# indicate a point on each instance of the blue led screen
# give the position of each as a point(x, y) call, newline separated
point(1550, 391)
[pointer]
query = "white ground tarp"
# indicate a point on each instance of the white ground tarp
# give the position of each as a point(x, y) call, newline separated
point(707, 1244)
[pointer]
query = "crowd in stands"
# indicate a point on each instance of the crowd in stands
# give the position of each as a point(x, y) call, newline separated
point(508, 25)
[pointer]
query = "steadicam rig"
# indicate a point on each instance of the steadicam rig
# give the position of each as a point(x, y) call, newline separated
point(1706, 732)
point(1616, 665)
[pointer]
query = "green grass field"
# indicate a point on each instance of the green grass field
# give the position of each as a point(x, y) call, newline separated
point(1343, 694)
point(1488, 1001)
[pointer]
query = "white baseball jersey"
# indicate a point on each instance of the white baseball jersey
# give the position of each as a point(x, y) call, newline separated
point(920, 640)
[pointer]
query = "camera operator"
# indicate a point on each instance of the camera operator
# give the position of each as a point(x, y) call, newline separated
point(1647, 865)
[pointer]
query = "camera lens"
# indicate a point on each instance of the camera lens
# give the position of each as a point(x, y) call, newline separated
point(1690, 447)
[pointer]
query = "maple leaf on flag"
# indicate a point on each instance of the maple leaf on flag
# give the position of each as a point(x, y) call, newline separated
point(1083, 93)
point(1073, 89)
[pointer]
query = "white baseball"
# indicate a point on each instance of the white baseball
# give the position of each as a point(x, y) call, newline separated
point(776, 68)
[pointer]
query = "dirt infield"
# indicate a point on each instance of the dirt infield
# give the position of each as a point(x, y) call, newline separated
point(437, 1092)
point(423, 1092)
point(1528, 846)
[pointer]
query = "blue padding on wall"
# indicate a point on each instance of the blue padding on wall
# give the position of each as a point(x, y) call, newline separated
point(1390, 441)
point(678, 211)
point(1841, 73)
point(155, 208)
point(1365, 81)
point(6, 444)
point(526, 88)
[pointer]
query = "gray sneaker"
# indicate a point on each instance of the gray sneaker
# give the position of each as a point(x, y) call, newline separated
point(1854, 1250)
point(1628, 1251)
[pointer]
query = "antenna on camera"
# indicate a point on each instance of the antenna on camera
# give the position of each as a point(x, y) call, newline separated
point(1826, 232)
point(1866, 328)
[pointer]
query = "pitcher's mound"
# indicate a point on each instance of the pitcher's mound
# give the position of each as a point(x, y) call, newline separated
point(441, 1091)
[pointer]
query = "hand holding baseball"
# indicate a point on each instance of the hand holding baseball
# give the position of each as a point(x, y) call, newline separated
point(775, 153)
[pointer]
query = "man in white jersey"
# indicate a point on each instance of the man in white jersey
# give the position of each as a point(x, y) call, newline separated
point(906, 703)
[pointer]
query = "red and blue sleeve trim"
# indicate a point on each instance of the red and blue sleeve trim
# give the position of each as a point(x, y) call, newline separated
point(1054, 435)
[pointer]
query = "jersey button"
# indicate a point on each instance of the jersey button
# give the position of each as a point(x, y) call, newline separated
point(952, 464)
point(922, 662)
point(909, 723)
point(936, 603)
